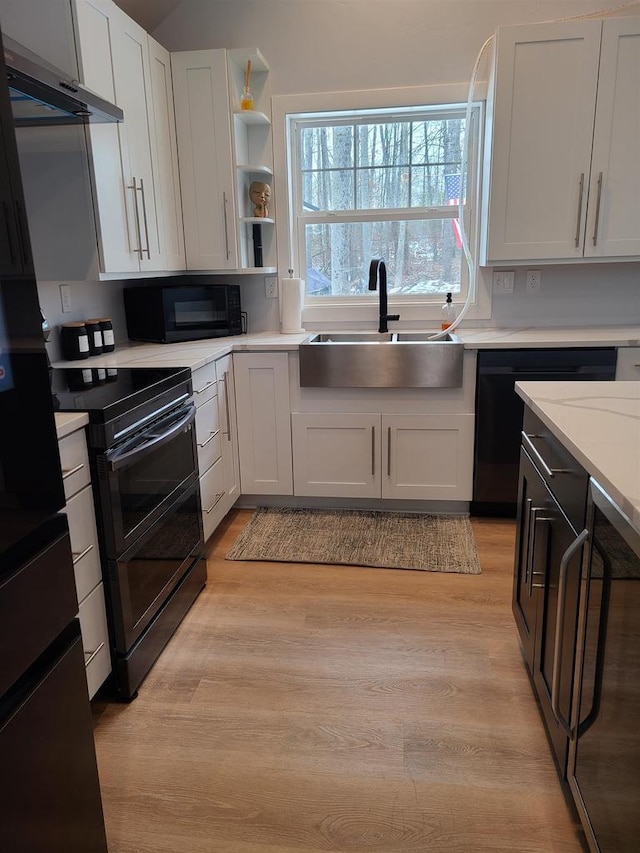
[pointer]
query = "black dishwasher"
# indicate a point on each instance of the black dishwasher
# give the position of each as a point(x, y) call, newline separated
point(499, 413)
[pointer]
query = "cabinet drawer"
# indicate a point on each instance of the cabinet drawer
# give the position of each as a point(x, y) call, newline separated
point(212, 492)
point(75, 462)
point(565, 477)
point(204, 383)
point(84, 541)
point(208, 434)
point(95, 639)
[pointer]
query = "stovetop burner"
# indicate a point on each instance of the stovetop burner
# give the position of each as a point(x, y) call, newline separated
point(117, 398)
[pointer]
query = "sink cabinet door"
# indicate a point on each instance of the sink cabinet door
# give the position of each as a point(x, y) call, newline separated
point(336, 455)
point(427, 457)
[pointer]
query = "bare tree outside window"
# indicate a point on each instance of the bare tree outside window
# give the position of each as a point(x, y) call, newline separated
point(377, 186)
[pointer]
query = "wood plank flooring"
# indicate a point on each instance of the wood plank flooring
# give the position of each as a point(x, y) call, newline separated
point(328, 708)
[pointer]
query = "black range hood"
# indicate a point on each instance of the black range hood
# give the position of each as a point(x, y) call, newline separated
point(42, 95)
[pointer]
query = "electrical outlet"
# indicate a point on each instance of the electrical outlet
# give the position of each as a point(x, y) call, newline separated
point(65, 298)
point(534, 281)
point(503, 281)
point(270, 287)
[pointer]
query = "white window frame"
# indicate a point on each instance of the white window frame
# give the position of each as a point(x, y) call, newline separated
point(356, 311)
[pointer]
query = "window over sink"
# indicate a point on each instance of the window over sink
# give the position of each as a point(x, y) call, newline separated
point(383, 182)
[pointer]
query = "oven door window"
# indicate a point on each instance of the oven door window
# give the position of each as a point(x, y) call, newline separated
point(150, 569)
point(143, 480)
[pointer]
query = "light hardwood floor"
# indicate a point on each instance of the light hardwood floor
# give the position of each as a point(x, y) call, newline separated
point(328, 708)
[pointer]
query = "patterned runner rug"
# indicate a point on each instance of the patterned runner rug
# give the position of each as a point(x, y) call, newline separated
point(390, 540)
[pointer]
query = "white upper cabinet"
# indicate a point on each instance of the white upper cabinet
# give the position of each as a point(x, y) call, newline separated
point(563, 138)
point(201, 98)
point(134, 164)
point(222, 149)
point(613, 216)
point(167, 178)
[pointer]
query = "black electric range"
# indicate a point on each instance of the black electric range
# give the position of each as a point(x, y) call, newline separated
point(144, 470)
point(118, 400)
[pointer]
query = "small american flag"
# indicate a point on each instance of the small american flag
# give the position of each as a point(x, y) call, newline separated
point(452, 192)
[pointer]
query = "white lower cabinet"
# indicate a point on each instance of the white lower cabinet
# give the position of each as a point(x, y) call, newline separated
point(427, 457)
point(228, 429)
point(398, 456)
point(216, 439)
point(264, 424)
point(79, 510)
point(336, 454)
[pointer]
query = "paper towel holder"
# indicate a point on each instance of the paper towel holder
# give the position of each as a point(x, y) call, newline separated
point(291, 302)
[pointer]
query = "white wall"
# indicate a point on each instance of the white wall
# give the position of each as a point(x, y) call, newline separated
point(339, 45)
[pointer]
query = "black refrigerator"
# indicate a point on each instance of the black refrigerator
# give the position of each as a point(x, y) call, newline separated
point(49, 791)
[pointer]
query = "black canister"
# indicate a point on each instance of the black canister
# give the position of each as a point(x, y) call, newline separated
point(95, 337)
point(74, 340)
point(108, 340)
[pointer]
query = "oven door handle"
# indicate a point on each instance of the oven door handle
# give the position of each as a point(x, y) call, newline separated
point(149, 440)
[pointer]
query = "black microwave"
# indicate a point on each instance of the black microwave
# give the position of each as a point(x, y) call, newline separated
point(168, 314)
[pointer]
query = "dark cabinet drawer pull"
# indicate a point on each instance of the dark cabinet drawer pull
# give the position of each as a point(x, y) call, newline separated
point(550, 472)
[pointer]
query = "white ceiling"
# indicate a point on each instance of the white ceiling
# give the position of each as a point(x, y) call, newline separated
point(148, 13)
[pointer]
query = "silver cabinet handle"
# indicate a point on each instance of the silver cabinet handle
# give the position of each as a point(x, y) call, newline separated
point(89, 656)
point(388, 451)
point(205, 387)
point(77, 556)
point(215, 503)
point(226, 402)
point(212, 435)
point(575, 546)
point(550, 472)
point(536, 521)
point(144, 219)
point(69, 472)
point(597, 219)
point(226, 227)
point(136, 212)
point(373, 451)
point(580, 197)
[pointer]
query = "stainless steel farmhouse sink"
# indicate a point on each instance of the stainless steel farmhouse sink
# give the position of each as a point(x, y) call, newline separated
point(374, 360)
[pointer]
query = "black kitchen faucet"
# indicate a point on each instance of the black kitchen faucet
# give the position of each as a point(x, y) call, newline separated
point(378, 278)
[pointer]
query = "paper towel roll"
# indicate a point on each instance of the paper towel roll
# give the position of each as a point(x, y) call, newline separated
point(291, 300)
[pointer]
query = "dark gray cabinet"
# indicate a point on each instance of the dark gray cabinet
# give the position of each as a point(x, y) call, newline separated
point(551, 512)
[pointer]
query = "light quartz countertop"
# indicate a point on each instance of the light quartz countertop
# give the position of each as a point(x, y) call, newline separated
point(196, 354)
point(599, 423)
point(68, 422)
point(599, 336)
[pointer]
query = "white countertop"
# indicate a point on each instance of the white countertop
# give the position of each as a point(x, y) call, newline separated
point(600, 336)
point(195, 354)
point(599, 423)
point(68, 422)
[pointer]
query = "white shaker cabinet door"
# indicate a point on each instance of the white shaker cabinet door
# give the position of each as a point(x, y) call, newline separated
point(336, 455)
point(132, 72)
point(613, 223)
point(264, 423)
point(167, 179)
point(427, 457)
point(542, 129)
point(201, 97)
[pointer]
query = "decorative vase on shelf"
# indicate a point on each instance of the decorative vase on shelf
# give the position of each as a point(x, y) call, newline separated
point(246, 101)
